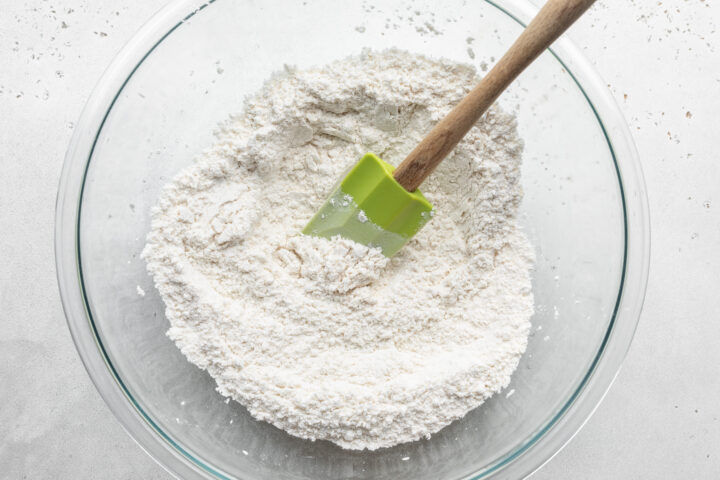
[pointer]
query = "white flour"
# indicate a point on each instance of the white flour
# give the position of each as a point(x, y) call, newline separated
point(328, 339)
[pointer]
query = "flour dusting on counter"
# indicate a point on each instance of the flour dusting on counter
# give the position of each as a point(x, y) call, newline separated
point(329, 339)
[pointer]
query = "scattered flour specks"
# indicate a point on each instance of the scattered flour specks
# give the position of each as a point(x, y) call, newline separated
point(328, 339)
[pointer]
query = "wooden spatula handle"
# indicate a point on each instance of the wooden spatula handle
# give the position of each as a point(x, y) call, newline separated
point(551, 21)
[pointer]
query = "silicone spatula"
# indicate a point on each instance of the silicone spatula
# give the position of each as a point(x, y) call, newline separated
point(380, 206)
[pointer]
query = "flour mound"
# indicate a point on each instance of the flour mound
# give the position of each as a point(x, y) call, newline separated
point(328, 339)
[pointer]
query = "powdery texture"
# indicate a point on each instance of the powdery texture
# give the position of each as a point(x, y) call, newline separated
point(328, 339)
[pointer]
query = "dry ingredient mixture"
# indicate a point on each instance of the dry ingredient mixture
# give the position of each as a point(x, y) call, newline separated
point(328, 339)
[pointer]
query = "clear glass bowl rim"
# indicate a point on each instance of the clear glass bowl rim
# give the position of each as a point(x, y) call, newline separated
point(527, 457)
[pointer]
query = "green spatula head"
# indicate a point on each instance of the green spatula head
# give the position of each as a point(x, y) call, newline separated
point(370, 207)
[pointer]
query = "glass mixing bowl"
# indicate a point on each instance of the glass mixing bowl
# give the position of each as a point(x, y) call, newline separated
point(189, 68)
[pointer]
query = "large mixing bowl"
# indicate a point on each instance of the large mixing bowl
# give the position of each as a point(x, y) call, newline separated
point(189, 68)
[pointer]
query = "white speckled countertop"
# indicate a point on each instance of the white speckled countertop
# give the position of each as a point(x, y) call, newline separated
point(660, 420)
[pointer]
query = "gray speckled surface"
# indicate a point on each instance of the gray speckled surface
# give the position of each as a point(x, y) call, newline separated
point(660, 419)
